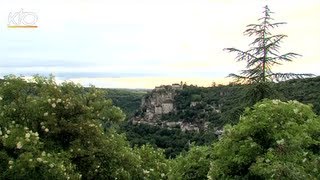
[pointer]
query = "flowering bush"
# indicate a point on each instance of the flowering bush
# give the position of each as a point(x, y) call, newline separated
point(154, 165)
point(50, 130)
point(23, 156)
point(194, 164)
point(273, 140)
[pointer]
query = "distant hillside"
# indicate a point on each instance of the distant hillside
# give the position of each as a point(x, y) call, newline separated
point(218, 105)
point(303, 90)
point(128, 100)
point(197, 105)
point(191, 107)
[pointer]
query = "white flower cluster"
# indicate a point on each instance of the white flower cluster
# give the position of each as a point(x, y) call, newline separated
point(68, 103)
point(280, 142)
point(6, 83)
point(145, 171)
point(43, 127)
point(19, 141)
point(62, 167)
point(304, 160)
point(54, 102)
point(44, 158)
point(294, 102)
point(93, 125)
point(10, 164)
point(19, 145)
point(276, 101)
point(5, 134)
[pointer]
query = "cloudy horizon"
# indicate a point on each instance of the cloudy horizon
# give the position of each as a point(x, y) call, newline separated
point(142, 44)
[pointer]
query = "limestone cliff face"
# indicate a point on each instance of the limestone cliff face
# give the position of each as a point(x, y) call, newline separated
point(159, 102)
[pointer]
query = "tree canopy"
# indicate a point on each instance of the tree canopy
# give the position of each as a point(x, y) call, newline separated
point(273, 140)
point(51, 131)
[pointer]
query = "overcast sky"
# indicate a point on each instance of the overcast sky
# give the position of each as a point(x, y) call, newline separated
point(144, 43)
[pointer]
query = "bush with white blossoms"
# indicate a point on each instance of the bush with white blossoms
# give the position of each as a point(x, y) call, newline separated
point(273, 140)
point(193, 164)
point(22, 156)
point(154, 164)
point(49, 129)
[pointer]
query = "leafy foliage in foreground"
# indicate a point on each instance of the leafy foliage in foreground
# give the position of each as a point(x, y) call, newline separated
point(273, 140)
point(194, 164)
point(48, 131)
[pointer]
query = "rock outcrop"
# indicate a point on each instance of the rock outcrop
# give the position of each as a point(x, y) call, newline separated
point(159, 102)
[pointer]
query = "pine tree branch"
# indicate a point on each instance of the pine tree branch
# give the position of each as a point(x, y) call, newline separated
point(284, 57)
point(286, 76)
point(241, 55)
point(273, 25)
point(241, 79)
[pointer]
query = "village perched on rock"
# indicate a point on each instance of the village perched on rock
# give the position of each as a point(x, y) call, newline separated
point(161, 101)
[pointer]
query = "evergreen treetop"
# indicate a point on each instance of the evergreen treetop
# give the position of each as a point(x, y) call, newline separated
point(263, 53)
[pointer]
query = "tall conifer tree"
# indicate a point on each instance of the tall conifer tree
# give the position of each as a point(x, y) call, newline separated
point(263, 53)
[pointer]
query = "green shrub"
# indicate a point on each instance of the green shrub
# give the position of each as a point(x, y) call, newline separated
point(273, 140)
point(194, 164)
point(50, 131)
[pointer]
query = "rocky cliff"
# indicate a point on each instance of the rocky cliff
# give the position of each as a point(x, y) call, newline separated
point(161, 102)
